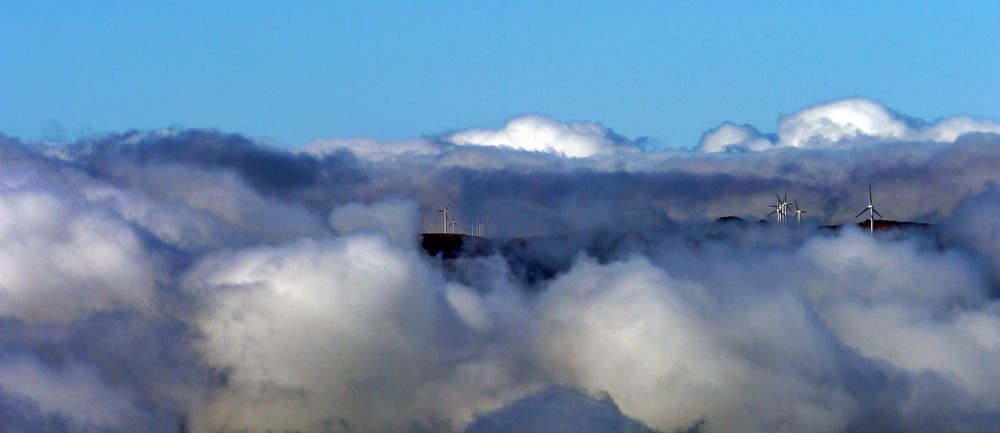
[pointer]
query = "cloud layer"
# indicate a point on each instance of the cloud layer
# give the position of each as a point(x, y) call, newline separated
point(190, 280)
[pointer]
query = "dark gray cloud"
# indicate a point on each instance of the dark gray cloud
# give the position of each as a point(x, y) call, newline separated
point(201, 281)
point(268, 169)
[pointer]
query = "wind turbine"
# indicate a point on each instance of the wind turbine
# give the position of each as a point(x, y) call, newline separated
point(453, 224)
point(445, 212)
point(781, 209)
point(784, 207)
point(798, 214)
point(776, 211)
point(871, 212)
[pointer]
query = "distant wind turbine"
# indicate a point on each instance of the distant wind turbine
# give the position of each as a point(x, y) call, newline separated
point(445, 212)
point(780, 209)
point(871, 212)
point(798, 214)
point(454, 225)
point(784, 207)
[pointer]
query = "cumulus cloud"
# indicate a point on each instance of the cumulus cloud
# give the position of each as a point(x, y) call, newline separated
point(950, 129)
point(844, 122)
point(671, 355)
point(63, 258)
point(838, 121)
point(336, 330)
point(732, 137)
point(537, 133)
point(706, 332)
point(354, 331)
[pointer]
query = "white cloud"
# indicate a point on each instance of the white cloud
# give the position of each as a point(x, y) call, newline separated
point(61, 259)
point(730, 136)
point(354, 328)
point(853, 265)
point(670, 354)
point(834, 122)
point(74, 390)
point(842, 123)
point(951, 128)
point(543, 134)
point(919, 309)
point(316, 329)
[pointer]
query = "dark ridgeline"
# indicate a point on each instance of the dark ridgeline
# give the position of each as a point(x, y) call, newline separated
point(454, 245)
point(885, 225)
point(531, 259)
point(534, 260)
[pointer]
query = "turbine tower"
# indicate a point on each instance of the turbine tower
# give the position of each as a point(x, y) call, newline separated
point(445, 212)
point(784, 207)
point(798, 214)
point(871, 212)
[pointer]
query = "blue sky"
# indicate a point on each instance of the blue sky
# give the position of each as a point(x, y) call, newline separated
point(291, 72)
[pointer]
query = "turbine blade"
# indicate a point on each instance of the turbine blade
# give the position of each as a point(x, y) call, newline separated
point(772, 213)
point(796, 203)
point(861, 213)
point(876, 213)
point(786, 196)
point(869, 193)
